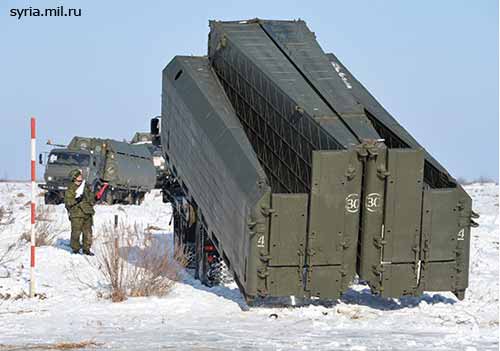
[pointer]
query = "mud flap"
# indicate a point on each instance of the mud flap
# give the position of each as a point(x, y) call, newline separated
point(333, 222)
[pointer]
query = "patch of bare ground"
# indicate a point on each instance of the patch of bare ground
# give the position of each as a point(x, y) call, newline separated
point(54, 346)
point(21, 295)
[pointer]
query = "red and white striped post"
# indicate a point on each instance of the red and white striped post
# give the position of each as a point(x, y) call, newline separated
point(33, 209)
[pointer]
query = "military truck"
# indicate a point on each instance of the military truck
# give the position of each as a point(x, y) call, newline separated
point(145, 138)
point(284, 166)
point(127, 168)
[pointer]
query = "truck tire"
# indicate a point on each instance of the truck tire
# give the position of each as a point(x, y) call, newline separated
point(140, 198)
point(52, 198)
point(219, 273)
point(130, 199)
point(47, 199)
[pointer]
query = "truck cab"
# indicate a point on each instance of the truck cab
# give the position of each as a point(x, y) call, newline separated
point(59, 163)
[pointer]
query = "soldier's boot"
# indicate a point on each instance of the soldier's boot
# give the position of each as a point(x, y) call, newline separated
point(87, 236)
point(76, 229)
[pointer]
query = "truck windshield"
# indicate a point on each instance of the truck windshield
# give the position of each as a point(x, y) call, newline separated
point(73, 159)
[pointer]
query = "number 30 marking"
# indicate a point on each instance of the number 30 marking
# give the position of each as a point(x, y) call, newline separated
point(352, 203)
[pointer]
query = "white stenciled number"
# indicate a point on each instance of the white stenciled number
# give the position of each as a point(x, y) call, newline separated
point(373, 202)
point(352, 203)
point(461, 234)
point(261, 241)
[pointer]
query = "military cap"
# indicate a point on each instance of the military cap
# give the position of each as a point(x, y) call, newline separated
point(74, 173)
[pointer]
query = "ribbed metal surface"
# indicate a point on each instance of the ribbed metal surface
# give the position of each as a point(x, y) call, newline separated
point(212, 158)
point(283, 135)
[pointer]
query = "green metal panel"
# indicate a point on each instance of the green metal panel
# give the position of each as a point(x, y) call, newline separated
point(288, 229)
point(325, 282)
point(438, 276)
point(445, 240)
point(403, 205)
point(440, 224)
point(300, 46)
point(246, 59)
point(335, 203)
point(258, 252)
point(398, 280)
point(372, 212)
point(463, 244)
point(285, 281)
point(333, 220)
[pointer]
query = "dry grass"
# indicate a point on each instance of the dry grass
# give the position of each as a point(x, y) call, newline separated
point(5, 216)
point(45, 234)
point(137, 264)
point(9, 255)
point(45, 213)
point(150, 228)
point(45, 230)
point(55, 346)
point(20, 296)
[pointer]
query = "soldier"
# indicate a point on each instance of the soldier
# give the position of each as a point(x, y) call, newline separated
point(79, 200)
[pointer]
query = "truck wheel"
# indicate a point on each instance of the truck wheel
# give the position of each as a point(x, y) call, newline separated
point(52, 198)
point(140, 198)
point(130, 200)
point(218, 272)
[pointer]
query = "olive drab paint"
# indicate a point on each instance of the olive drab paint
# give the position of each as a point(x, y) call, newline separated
point(301, 178)
point(128, 168)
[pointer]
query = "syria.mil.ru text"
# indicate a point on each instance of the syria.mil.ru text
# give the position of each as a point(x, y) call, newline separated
point(59, 11)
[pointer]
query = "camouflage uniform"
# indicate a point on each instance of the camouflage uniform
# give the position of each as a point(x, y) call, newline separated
point(80, 213)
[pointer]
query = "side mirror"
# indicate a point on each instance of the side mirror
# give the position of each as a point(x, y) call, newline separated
point(155, 126)
point(40, 159)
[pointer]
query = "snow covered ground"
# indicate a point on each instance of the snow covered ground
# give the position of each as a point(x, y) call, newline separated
point(194, 317)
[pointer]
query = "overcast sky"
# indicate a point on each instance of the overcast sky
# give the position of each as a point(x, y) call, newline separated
point(432, 64)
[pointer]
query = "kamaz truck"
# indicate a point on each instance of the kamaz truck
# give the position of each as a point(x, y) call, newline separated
point(285, 167)
point(143, 138)
point(127, 168)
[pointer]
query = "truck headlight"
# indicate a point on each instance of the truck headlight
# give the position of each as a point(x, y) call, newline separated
point(158, 161)
point(49, 178)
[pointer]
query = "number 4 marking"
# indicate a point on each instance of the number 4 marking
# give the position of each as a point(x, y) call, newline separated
point(261, 241)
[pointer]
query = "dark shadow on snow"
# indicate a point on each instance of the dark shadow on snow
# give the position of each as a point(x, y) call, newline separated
point(63, 244)
point(232, 294)
point(366, 298)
